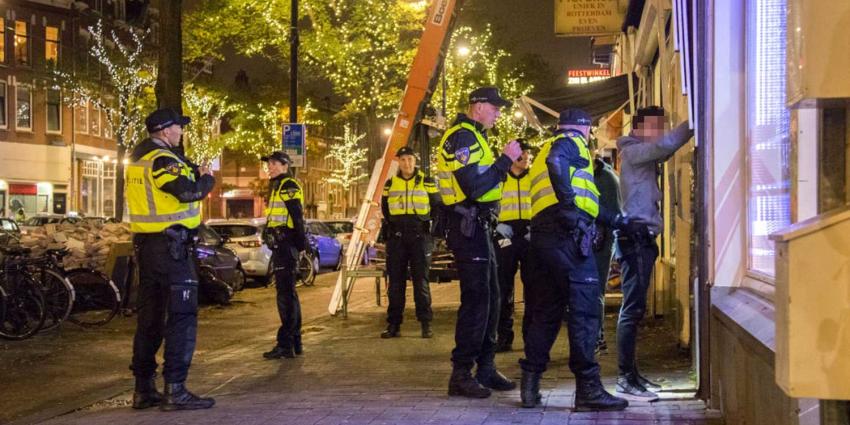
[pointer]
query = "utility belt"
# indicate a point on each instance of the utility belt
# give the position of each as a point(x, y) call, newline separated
point(414, 227)
point(275, 237)
point(180, 239)
point(643, 237)
point(473, 215)
point(583, 234)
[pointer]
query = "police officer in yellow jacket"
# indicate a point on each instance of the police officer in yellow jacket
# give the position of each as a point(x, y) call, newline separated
point(407, 203)
point(512, 235)
point(565, 204)
point(285, 236)
point(164, 190)
point(470, 181)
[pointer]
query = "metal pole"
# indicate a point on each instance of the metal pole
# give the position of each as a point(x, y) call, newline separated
point(293, 73)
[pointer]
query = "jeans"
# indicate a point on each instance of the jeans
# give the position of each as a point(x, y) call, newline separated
point(602, 257)
point(636, 262)
point(511, 258)
point(167, 307)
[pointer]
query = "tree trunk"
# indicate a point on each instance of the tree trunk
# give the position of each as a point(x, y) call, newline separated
point(169, 81)
point(373, 137)
point(119, 180)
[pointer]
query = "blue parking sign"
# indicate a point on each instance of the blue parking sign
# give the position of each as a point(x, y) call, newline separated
point(294, 137)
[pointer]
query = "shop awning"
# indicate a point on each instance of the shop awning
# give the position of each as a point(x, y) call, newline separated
point(597, 99)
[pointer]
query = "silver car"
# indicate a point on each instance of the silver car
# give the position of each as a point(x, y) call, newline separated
point(245, 238)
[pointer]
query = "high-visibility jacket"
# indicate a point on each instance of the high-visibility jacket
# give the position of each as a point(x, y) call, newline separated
point(409, 197)
point(448, 163)
point(153, 210)
point(516, 198)
point(581, 179)
point(276, 211)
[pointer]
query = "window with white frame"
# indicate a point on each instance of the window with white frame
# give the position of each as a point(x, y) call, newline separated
point(23, 107)
point(54, 111)
point(3, 97)
point(768, 132)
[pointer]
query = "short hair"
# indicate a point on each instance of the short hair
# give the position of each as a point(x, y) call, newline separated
point(649, 111)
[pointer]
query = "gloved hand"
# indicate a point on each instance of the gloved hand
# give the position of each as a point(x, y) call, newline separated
point(629, 225)
point(513, 150)
point(505, 231)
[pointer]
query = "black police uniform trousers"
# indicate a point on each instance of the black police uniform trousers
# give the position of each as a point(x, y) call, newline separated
point(637, 258)
point(478, 315)
point(511, 258)
point(603, 257)
point(562, 277)
point(167, 307)
point(285, 261)
point(408, 248)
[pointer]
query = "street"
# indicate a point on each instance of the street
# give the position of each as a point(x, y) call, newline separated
point(347, 375)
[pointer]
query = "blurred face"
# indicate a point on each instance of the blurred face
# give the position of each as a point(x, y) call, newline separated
point(485, 113)
point(651, 127)
point(407, 164)
point(523, 161)
point(277, 168)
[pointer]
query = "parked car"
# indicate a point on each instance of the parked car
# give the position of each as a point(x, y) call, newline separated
point(326, 248)
point(219, 268)
point(245, 238)
point(98, 220)
point(342, 230)
point(9, 231)
point(32, 223)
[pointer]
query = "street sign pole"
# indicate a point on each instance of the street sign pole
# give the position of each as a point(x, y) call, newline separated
point(293, 143)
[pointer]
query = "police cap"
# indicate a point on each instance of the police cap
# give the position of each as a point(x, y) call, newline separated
point(405, 150)
point(488, 95)
point(279, 156)
point(164, 118)
point(574, 117)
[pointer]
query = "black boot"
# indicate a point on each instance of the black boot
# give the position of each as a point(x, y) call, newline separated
point(177, 397)
point(591, 396)
point(491, 378)
point(145, 394)
point(529, 389)
point(426, 330)
point(297, 347)
point(392, 331)
point(278, 352)
point(463, 384)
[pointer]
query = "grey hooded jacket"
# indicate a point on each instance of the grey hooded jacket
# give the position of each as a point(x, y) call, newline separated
point(638, 178)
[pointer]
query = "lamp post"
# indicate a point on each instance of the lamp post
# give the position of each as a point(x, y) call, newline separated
point(293, 67)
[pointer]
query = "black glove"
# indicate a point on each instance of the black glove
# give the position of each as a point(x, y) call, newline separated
point(629, 225)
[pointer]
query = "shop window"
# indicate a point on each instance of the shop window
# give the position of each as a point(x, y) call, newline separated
point(51, 44)
point(23, 108)
point(768, 132)
point(833, 191)
point(22, 43)
point(54, 111)
point(3, 97)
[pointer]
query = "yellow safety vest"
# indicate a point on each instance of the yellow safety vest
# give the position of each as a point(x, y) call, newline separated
point(153, 210)
point(581, 179)
point(516, 199)
point(276, 211)
point(409, 196)
point(448, 163)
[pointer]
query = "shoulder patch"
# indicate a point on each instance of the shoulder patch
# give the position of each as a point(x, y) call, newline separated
point(174, 168)
point(462, 155)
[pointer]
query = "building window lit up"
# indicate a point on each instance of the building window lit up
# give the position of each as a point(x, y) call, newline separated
point(768, 131)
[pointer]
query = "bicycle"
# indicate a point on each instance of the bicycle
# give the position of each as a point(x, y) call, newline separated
point(96, 297)
point(24, 304)
point(57, 290)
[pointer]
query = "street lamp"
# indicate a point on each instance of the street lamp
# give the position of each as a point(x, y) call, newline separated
point(388, 131)
point(463, 51)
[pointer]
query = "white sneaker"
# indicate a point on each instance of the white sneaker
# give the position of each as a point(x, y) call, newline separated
point(634, 391)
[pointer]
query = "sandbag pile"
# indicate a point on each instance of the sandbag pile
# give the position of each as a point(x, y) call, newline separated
point(88, 242)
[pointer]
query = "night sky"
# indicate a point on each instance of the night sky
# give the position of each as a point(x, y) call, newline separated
point(529, 25)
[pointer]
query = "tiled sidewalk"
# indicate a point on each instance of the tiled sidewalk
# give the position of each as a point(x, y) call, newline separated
point(350, 376)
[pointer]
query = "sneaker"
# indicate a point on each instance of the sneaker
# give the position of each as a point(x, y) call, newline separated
point(647, 383)
point(632, 390)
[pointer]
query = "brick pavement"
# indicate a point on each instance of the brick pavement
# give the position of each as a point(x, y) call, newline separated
point(350, 376)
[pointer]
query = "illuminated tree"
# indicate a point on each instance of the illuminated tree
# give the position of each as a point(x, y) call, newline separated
point(206, 107)
point(348, 159)
point(128, 77)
